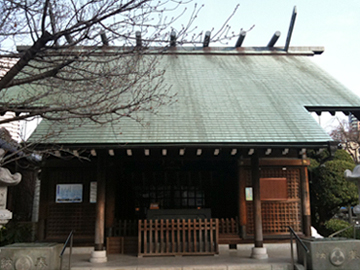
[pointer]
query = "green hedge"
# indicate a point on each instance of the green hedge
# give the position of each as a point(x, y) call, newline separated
point(335, 225)
point(15, 232)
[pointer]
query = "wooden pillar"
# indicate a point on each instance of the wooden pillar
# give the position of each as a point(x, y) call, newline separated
point(255, 176)
point(242, 200)
point(45, 190)
point(110, 203)
point(100, 203)
point(305, 201)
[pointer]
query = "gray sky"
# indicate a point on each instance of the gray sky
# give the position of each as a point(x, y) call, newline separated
point(332, 24)
point(329, 23)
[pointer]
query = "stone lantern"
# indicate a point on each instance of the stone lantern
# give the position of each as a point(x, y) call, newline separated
point(6, 179)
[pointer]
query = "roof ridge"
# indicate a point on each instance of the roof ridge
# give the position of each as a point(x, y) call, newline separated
point(104, 50)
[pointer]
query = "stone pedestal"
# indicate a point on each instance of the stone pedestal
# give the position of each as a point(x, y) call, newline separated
point(98, 256)
point(29, 256)
point(330, 253)
point(259, 253)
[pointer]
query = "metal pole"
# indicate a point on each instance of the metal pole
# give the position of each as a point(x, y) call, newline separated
point(292, 251)
point(71, 245)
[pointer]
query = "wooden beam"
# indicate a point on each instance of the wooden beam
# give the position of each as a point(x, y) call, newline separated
point(285, 151)
point(240, 40)
point(76, 153)
point(104, 38)
point(69, 38)
point(199, 152)
point(93, 152)
point(138, 39)
point(111, 152)
point(164, 152)
point(216, 152)
point(182, 152)
point(233, 152)
point(279, 162)
point(207, 39)
point(268, 151)
point(147, 152)
point(291, 28)
point(172, 39)
point(57, 153)
point(251, 151)
point(129, 152)
point(302, 151)
point(274, 38)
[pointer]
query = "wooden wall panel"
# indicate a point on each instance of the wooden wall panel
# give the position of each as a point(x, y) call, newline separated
point(278, 214)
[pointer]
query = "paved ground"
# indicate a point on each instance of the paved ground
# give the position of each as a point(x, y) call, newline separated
point(279, 259)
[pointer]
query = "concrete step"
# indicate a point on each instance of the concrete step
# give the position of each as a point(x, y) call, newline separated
point(279, 259)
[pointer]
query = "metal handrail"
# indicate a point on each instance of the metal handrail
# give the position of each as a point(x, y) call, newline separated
point(292, 232)
point(70, 238)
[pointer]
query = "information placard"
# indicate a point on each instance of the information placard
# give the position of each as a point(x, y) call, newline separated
point(69, 193)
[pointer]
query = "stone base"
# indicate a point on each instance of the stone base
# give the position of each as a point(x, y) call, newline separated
point(98, 256)
point(259, 253)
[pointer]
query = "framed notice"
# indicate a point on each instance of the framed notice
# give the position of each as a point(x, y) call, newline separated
point(249, 194)
point(93, 192)
point(69, 193)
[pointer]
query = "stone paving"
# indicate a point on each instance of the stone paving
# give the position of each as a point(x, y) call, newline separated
point(279, 259)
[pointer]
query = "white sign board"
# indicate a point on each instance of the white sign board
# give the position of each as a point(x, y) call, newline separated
point(93, 192)
point(69, 193)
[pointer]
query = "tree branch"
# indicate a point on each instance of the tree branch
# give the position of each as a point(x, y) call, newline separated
point(25, 59)
point(41, 76)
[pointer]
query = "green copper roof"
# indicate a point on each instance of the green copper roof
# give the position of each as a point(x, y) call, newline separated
point(228, 98)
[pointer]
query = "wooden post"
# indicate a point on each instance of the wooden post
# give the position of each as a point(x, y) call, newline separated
point(111, 186)
point(242, 200)
point(100, 203)
point(255, 176)
point(305, 201)
point(45, 189)
point(258, 251)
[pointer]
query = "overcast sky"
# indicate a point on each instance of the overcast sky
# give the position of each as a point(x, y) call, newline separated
point(329, 23)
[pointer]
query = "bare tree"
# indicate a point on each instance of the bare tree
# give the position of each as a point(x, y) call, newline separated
point(71, 73)
point(349, 138)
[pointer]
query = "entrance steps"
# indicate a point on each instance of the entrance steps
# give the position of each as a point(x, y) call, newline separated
point(239, 259)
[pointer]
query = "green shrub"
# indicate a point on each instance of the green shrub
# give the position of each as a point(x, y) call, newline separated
point(343, 155)
point(15, 232)
point(335, 225)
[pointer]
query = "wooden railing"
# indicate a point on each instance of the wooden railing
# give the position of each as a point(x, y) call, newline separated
point(229, 231)
point(122, 237)
point(124, 228)
point(228, 226)
point(178, 237)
